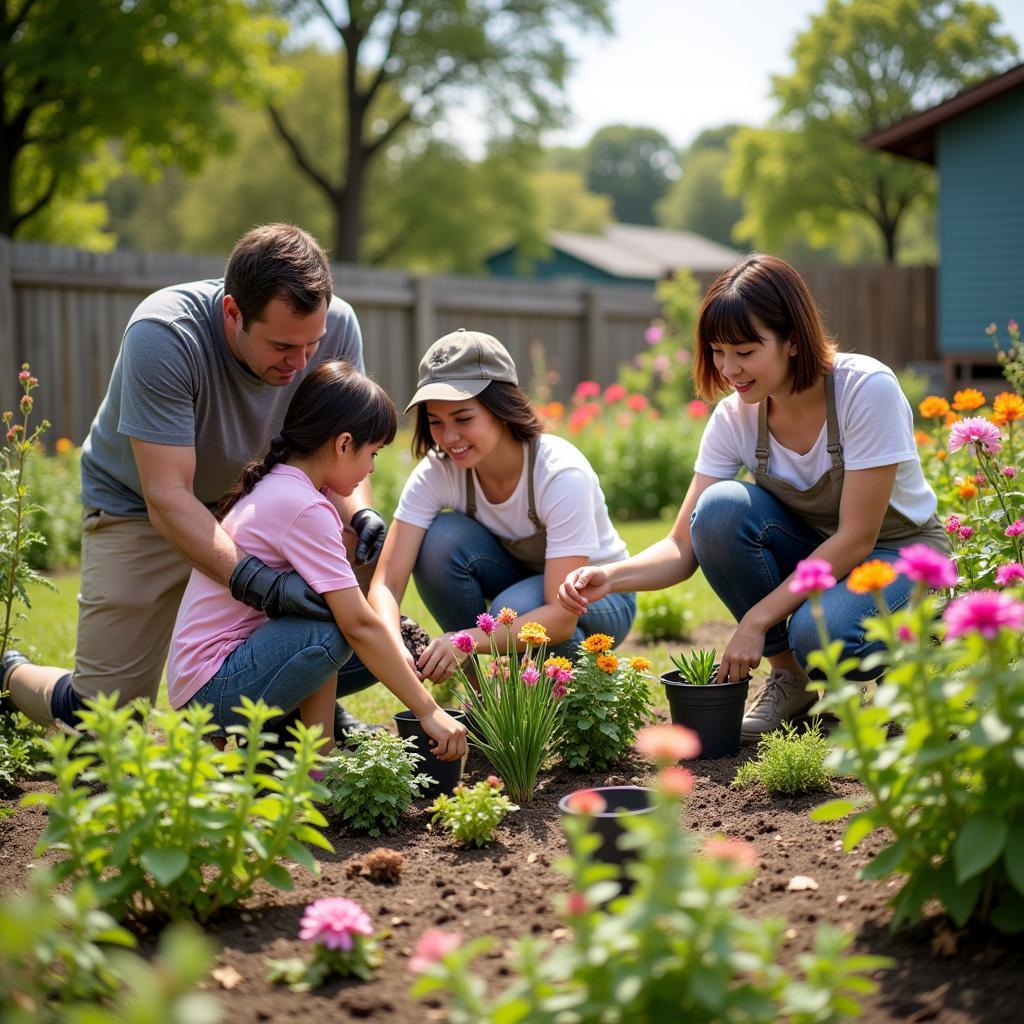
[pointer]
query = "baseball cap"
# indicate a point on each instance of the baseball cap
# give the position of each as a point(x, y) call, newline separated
point(461, 365)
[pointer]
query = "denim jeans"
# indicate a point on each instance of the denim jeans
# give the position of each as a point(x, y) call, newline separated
point(747, 542)
point(462, 570)
point(285, 661)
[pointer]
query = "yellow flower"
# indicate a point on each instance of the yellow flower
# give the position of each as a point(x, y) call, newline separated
point(1008, 406)
point(64, 445)
point(933, 407)
point(968, 400)
point(639, 664)
point(533, 633)
point(967, 490)
point(873, 575)
point(506, 616)
point(607, 663)
point(557, 662)
point(597, 643)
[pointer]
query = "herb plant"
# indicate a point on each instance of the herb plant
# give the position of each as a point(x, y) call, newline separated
point(177, 826)
point(371, 784)
point(789, 762)
point(21, 748)
point(698, 668)
point(607, 701)
point(662, 615)
point(471, 814)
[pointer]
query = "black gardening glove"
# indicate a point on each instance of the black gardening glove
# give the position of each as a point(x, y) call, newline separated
point(371, 530)
point(276, 592)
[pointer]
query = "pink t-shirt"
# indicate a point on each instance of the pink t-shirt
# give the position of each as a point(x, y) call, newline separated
point(287, 523)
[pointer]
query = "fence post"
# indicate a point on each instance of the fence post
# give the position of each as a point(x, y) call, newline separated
point(593, 336)
point(8, 350)
point(422, 323)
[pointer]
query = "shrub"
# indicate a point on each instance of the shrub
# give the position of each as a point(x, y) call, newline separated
point(177, 826)
point(472, 814)
point(788, 762)
point(373, 783)
point(663, 615)
point(21, 748)
point(54, 481)
point(607, 701)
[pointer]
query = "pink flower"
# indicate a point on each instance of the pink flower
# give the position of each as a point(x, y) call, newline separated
point(614, 393)
point(487, 624)
point(696, 409)
point(1009, 472)
point(637, 402)
point(507, 616)
point(952, 524)
point(1015, 529)
point(738, 850)
point(576, 904)
point(975, 431)
point(563, 676)
point(654, 334)
point(991, 329)
point(587, 389)
point(966, 532)
point(984, 612)
point(980, 479)
point(333, 921)
point(586, 801)
point(924, 565)
point(1011, 326)
point(530, 676)
point(677, 781)
point(493, 780)
point(662, 363)
point(464, 642)
point(1007, 575)
point(432, 947)
point(559, 690)
point(813, 575)
point(24, 375)
point(668, 743)
point(906, 634)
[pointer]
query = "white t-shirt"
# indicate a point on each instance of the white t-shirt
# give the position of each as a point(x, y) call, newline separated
point(876, 428)
point(569, 499)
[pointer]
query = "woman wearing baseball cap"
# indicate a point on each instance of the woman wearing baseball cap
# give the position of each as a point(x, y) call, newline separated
point(497, 512)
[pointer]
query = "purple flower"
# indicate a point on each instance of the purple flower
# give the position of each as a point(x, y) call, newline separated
point(464, 642)
point(985, 612)
point(487, 624)
point(1015, 529)
point(1009, 472)
point(975, 431)
point(530, 675)
point(924, 565)
point(333, 921)
point(966, 532)
point(812, 576)
point(1007, 575)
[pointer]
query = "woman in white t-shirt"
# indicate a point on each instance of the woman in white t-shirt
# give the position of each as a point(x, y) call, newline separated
point(828, 438)
point(525, 509)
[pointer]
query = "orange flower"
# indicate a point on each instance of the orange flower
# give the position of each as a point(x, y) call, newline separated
point(607, 663)
point(677, 781)
point(668, 743)
point(922, 438)
point(967, 490)
point(941, 455)
point(64, 445)
point(639, 664)
point(1009, 406)
point(968, 400)
point(586, 801)
point(933, 407)
point(951, 418)
point(598, 643)
point(506, 616)
point(871, 576)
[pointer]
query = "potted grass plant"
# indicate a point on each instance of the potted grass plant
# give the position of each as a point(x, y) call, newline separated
point(713, 710)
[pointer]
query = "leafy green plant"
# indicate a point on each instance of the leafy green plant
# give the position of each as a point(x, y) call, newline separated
point(54, 481)
point(21, 748)
point(607, 701)
point(662, 615)
point(174, 825)
point(673, 948)
point(789, 761)
point(472, 814)
point(65, 961)
point(697, 668)
point(371, 784)
point(1011, 358)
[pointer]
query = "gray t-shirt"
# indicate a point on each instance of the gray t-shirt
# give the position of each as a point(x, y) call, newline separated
point(176, 382)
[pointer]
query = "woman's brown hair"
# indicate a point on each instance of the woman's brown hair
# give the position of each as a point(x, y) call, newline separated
point(770, 289)
point(333, 399)
point(509, 403)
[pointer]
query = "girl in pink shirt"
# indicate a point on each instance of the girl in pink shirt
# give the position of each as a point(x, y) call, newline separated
point(223, 650)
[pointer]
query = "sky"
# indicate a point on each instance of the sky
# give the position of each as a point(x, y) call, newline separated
point(684, 65)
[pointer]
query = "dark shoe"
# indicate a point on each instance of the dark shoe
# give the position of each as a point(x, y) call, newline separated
point(8, 663)
point(346, 724)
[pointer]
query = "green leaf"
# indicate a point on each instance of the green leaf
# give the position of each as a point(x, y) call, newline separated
point(165, 865)
point(861, 826)
point(278, 877)
point(833, 810)
point(300, 854)
point(1014, 856)
point(959, 898)
point(979, 845)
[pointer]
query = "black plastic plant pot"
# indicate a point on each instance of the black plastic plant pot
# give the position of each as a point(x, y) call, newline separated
point(714, 712)
point(621, 802)
point(447, 773)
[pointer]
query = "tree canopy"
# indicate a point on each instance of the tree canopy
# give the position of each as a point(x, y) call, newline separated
point(634, 165)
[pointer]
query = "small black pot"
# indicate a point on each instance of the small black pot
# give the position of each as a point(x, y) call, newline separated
point(447, 773)
point(622, 802)
point(714, 712)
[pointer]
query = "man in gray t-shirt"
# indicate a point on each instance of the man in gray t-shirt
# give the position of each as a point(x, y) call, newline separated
point(200, 386)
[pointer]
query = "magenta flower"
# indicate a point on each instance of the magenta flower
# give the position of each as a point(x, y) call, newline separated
point(530, 676)
point(985, 612)
point(654, 334)
point(924, 565)
point(464, 642)
point(1007, 575)
point(966, 532)
point(953, 524)
point(1015, 529)
point(975, 431)
point(333, 921)
point(812, 576)
point(905, 633)
point(432, 947)
point(980, 479)
point(487, 624)
point(563, 676)
point(1009, 472)
point(559, 690)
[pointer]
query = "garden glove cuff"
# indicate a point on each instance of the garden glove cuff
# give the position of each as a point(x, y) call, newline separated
point(371, 530)
point(275, 592)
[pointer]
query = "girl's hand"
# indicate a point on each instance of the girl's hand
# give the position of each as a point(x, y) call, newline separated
point(743, 653)
point(582, 587)
point(448, 735)
point(440, 659)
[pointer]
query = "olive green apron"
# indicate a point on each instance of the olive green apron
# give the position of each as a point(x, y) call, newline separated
point(532, 550)
point(818, 506)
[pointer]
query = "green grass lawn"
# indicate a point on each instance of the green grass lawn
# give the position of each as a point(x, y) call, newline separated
point(48, 633)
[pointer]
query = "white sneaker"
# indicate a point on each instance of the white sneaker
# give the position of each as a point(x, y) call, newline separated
point(783, 696)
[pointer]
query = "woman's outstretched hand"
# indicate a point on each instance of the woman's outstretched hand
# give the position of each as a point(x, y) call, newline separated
point(448, 735)
point(743, 653)
point(582, 587)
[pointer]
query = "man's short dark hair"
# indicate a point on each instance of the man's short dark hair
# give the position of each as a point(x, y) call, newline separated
point(277, 261)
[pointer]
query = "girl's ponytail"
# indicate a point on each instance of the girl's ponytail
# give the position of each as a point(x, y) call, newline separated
point(253, 472)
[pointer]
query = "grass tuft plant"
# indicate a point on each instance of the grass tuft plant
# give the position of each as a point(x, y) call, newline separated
point(697, 668)
point(472, 814)
point(789, 762)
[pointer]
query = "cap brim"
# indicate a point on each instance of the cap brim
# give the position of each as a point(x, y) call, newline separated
point(447, 391)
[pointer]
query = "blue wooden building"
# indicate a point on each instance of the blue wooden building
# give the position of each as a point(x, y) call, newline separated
point(975, 140)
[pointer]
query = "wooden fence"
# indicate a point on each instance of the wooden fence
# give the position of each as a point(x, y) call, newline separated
point(64, 311)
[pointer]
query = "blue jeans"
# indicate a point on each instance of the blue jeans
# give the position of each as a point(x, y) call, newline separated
point(747, 542)
point(285, 661)
point(462, 570)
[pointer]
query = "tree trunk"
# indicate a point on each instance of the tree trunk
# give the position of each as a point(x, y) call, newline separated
point(889, 236)
point(6, 190)
point(348, 208)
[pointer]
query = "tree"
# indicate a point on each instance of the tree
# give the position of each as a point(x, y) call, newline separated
point(634, 165)
point(860, 66)
point(404, 63)
point(567, 205)
point(75, 74)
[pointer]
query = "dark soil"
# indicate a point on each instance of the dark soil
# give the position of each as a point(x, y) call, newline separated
point(414, 636)
point(507, 890)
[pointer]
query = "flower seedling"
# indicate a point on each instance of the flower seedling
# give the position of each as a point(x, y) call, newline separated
point(471, 814)
point(699, 668)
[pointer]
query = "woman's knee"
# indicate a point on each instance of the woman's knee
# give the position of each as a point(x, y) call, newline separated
point(444, 538)
point(721, 512)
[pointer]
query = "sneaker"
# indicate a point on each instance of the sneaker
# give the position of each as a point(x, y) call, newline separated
point(782, 697)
